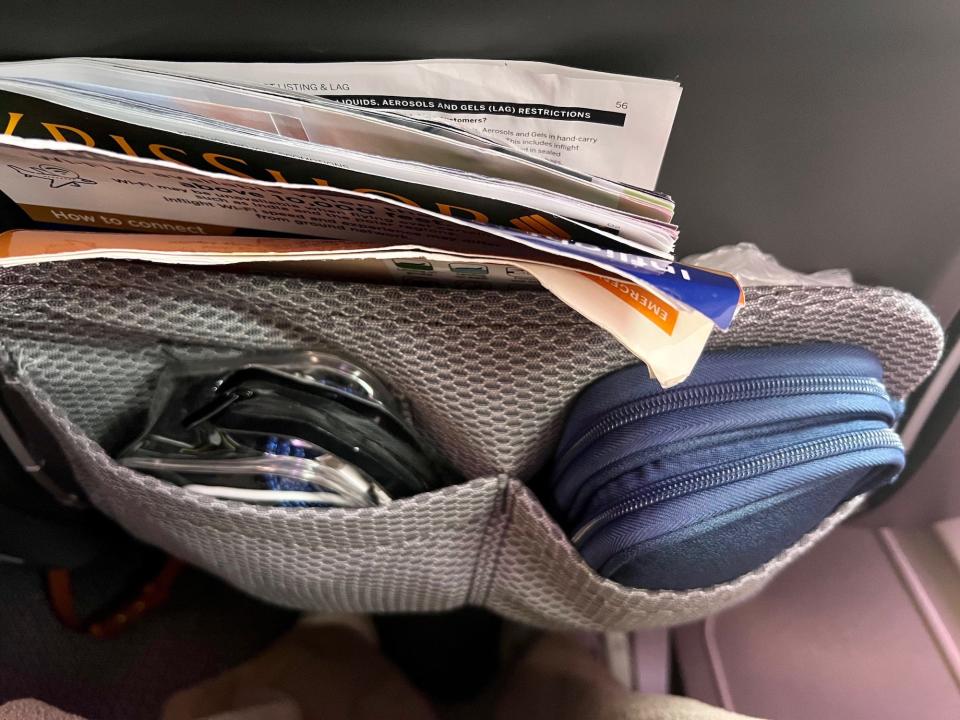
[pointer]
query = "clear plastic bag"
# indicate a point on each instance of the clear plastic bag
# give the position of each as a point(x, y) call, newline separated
point(303, 428)
point(752, 267)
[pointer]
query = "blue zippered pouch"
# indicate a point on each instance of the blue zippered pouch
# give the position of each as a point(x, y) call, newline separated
point(698, 484)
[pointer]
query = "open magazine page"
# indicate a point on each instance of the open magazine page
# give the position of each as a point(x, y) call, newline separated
point(302, 117)
point(44, 112)
point(61, 184)
point(56, 183)
point(611, 126)
point(324, 122)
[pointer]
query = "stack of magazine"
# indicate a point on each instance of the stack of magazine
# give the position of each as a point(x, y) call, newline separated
point(505, 174)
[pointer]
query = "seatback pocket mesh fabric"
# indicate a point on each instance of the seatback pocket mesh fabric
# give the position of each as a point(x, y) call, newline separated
point(488, 375)
point(487, 542)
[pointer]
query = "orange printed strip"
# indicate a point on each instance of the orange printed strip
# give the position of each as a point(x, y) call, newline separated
point(39, 243)
point(121, 223)
point(662, 314)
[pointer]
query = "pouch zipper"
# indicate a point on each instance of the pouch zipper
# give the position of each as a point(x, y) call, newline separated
point(698, 480)
point(683, 398)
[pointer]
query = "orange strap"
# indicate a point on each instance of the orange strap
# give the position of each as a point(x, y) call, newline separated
point(152, 595)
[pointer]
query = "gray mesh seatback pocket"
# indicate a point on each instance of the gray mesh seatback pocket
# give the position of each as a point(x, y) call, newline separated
point(486, 542)
point(487, 374)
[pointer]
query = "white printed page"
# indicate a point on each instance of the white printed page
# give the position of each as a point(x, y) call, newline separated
point(610, 126)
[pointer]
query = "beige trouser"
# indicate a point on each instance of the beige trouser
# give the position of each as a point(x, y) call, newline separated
point(335, 672)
